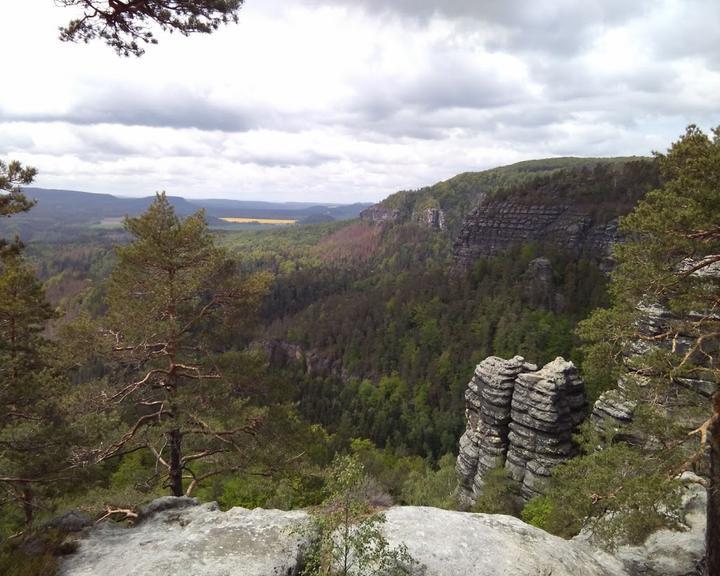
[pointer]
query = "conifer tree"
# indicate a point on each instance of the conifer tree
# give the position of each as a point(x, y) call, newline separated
point(127, 26)
point(32, 444)
point(169, 283)
point(670, 262)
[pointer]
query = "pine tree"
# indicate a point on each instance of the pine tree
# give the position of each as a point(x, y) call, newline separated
point(671, 260)
point(32, 442)
point(169, 284)
point(126, 26)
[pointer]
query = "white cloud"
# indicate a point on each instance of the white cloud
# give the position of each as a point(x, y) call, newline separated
point(346, 101)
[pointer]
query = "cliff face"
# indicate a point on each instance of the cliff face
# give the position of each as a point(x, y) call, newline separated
point(496, 225)
point(572, 203)
point(520, 418)
point(379, 214)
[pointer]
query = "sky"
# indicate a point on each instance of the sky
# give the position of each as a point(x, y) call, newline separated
point(351, 100)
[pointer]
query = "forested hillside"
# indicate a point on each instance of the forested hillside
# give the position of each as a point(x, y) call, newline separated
point(276, 349)
point(390, 329)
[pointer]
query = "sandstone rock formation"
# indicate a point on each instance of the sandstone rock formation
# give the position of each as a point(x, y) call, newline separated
point(281, 353)
point(520, 418)
point(194, 540)
point(538, 288)
point(202, 541)
point(379, 214)
point(430, 217)
point(496, 225)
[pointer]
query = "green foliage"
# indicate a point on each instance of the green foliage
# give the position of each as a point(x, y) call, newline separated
point(499, 494)
point(606, 493)
point(127, 26)
point(34, 434)
point(12, 176)
point(406, 334)
point(668, 260)
point(538, 512)
point(169, 286)
point(433, 487)
point(348, 538)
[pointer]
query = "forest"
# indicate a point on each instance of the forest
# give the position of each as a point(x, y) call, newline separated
point(236, 366)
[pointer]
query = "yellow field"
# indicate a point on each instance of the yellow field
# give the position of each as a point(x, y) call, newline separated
point(258, 220)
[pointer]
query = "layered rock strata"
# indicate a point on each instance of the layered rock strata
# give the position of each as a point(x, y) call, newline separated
point(520, 418)
point(496, 225)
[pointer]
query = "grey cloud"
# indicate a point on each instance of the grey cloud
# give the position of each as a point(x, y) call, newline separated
point(562, 26)
point(303, 158)
point(693, 33)
point(131, 107)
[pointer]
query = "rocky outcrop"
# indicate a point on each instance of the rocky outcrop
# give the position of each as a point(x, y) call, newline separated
point(379, 214)
point(538, 288)
point(547, 407)
point(202, 541)
point(194, 540)
point(520, 418)
point(281, 353)
point(613, 411)
point(431, 217)
point(449, 543)
point(496, 225)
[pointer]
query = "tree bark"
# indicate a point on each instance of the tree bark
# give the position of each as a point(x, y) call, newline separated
point(712, 532)
point(175, 441)
point(28, 503)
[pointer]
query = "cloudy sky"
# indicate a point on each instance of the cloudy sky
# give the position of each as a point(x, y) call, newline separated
point(351, 100)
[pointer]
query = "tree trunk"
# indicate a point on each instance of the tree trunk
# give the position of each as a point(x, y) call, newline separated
point(28, 504)
point(712, 532)
point(175, 438)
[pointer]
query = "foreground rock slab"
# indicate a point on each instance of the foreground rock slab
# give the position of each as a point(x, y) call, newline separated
point(194, 541)
point(202, 541)
point(462, 544)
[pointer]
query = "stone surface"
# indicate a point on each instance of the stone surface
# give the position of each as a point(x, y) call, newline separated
point(521, 418)
point(281, 353)
point(496, 225)
point(378, 214)
point(73, 521)
point(202, 541)
point(538, 289)
point(462, 544)
point(431, 217)
point(194, 541)
point(613, 410)
point(668, 552)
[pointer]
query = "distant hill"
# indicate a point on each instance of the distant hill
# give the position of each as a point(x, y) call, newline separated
point(63, 212)
point(460, 194)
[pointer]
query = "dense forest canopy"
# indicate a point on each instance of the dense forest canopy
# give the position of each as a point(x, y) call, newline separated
point(234, 365)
